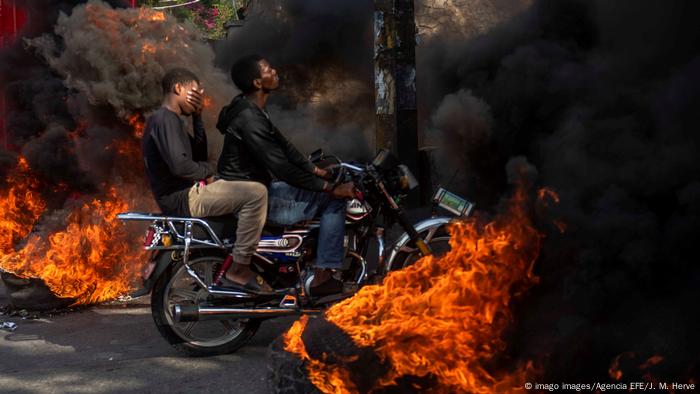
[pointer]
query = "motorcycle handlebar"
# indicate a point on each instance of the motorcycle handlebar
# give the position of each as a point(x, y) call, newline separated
point(352, 167)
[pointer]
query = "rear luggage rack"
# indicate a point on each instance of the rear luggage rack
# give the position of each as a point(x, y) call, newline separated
point(165, 226)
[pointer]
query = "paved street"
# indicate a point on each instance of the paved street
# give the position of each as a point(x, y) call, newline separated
point(117, 349)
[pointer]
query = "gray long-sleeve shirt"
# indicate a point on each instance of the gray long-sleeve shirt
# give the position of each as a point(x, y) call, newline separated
point(174, 160)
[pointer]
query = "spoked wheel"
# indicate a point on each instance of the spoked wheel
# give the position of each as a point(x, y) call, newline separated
point(199, 338)
point(437, 238)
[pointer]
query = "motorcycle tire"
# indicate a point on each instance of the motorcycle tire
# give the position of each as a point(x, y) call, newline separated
point(182, 340)
point(439, 243)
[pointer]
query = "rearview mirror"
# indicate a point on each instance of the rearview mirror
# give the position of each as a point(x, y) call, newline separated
point(316, 156)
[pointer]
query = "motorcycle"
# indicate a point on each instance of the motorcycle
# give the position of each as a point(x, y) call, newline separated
point(189, 256)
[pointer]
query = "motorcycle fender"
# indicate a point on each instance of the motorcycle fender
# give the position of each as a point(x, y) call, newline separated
point(158, 263)
point(422, 226)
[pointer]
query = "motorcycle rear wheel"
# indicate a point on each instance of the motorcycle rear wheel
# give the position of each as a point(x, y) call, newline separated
point(205, 338)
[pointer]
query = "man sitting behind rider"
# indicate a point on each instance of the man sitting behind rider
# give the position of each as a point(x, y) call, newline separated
point(176, 165)
point(254, 148)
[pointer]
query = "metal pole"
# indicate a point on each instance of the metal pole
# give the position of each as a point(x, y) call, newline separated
point(395, 79)
point(384, 70)
point(407, 119)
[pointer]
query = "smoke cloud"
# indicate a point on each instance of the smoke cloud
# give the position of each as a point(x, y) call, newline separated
point(117, 58)
point(323, 53)
point(599, 98)
point(41, 110)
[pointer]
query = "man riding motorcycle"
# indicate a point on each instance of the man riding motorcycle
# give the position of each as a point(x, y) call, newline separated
point(254, 148)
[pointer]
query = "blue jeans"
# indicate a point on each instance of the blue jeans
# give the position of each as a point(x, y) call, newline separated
point(289, 205)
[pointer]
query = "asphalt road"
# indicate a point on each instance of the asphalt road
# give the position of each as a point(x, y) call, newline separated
point(117, 349)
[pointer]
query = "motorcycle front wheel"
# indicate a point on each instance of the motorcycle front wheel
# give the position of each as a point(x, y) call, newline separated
point(437, 238)
point(200, 338)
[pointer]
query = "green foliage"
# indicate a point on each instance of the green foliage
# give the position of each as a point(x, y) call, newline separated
point(210, 16)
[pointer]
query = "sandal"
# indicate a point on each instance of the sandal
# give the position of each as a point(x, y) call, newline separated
point(256, 285)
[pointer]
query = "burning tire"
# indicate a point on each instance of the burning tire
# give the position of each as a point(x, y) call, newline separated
point(202, 338)
point(339, 364)
point(286, 373)
point(32, 294)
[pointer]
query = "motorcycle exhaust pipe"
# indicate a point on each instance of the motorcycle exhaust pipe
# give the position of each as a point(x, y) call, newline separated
point(189, 313)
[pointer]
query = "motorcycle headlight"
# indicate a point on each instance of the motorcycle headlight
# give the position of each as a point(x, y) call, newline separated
point(407, 181)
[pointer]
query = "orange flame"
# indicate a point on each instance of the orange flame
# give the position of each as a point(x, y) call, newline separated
point(561, 226)
point(20, 206)
point(545, 193)
point(651, 361)
point(148, 48)
point(614, 371)
point(88, 260)
point(92, 259)
point(208, 101)
point(137, 124)
point(445, 317)
point(149, 14)
point(126, 149)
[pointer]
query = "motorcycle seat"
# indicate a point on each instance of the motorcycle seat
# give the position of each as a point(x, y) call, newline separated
point(225, 226)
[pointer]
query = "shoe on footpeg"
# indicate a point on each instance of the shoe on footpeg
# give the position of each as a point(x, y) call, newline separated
point(255, 285)
point(330, 286)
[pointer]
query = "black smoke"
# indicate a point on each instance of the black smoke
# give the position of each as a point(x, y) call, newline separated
point(323, 53)
point(308, 40)
point(43, 114)
point(603, 99)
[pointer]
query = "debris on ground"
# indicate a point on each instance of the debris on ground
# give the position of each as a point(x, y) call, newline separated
point(24, 314)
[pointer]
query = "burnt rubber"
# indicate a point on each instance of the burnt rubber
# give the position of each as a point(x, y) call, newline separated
point(326, 342)
point(32, 294)
point(286, 372)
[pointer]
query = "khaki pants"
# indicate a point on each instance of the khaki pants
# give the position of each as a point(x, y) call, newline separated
point(247, 199)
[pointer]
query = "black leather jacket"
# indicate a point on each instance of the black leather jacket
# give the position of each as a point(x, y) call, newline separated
point(254, 149)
